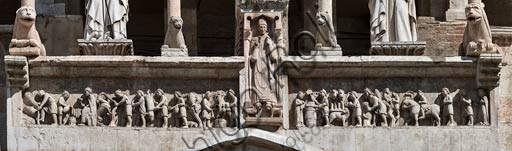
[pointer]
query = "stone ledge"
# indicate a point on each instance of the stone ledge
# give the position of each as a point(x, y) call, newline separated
point(380, 67)
point(137, 67)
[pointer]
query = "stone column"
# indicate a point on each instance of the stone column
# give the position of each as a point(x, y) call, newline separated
point(173, 8)
point(456, 10)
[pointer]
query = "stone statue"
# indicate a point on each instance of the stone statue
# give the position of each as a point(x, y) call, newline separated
point(206, 109)
point(179, 110)
point(174, 35)
point(25, 38)
point(378, 20)
point(87, 103)
point(468, 109)
point(326, 36)
point(402, 23)
point(162, 106)
point(392, 20)
point(477, 35)
point(482, 105)
point(299, 104)
point(106, 19)
point(64, 109)
point(355, 109)
point(139, 104)
point(337, 108)
point(263, 60)
point(448, 106)
point(422, 101)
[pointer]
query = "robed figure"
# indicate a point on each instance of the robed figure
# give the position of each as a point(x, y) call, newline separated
point(106, 19)
point(263, 60)
point(392, 20)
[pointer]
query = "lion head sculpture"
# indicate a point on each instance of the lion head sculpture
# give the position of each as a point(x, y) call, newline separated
point(477, 35)
point(25, 40)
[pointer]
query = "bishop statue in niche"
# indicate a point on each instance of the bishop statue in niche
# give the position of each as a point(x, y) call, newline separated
point(263, 57)
point(106, 19)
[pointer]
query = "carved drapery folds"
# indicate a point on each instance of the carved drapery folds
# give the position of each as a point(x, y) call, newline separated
point(388, 108)
point(393, 21)
point(263, 46)
point(326, 42)
point(105, 30)
point(140, 109)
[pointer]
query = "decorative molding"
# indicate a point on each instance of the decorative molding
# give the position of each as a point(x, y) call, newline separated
point(123, 47)
point(488, 68)
point(398, 48)
point(17, 71)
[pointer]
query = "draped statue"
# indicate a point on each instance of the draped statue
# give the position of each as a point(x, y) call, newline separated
point(392, 20)
point(106, 19)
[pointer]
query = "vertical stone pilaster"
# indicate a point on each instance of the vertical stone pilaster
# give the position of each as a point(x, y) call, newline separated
point(456, 10)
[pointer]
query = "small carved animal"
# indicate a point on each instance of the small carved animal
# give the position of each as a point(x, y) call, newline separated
point(25, 33)
point(174, 36)
point(477, 36)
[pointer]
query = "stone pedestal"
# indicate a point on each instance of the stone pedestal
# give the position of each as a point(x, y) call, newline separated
point(122, 47)
point(327, 51)
point(398, 48)
point(25, 51)
point(174, 52)
point(456, 10)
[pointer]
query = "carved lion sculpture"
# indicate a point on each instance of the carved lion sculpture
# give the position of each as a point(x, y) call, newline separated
point(477, 36)
point(174, 36)
point(25, 40)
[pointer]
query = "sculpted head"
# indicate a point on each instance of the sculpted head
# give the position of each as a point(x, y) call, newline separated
point(87, 91)
point(118, 93)
point(474, 13)
point(177, 22)
point(65, 94)
point(140, 93)
point(26, 15)
point(300, 95)
point(159, 92)
point(445, 91)
point(262, 26)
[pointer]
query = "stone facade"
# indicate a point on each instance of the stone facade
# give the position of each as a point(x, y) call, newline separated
point(258, 75)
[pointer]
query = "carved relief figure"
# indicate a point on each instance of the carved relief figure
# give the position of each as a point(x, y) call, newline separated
point(263, 61)
point(179, 110)
point(150, 108)
point(104, 109)
point(174, 35)
point(355, 108)
point(429, 110)
point(25, 38)
point(477, 35)
point(64, 109)
point(392, 101)
point(310, 114)
point(448, 106)
point(47, 105)
point(232, 113)
point(337, 108)
point(162, 106)
point(139, 103)
point(194, 108)
point(106, 19)
point(299, 104)
point(482, 105)
point(468, 109)
point(379, 108)
point(206, 109)
point(412, 109)
point(323, 105)
point(87, 104)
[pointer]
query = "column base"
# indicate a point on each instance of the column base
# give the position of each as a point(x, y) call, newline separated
point(174, 52)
